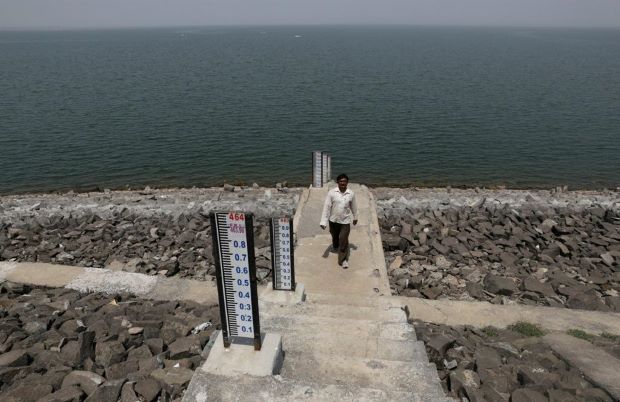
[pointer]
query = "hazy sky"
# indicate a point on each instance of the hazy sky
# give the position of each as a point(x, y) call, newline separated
point(123, 13)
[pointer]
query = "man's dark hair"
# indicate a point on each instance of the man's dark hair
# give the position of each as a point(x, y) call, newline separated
point(342, 176)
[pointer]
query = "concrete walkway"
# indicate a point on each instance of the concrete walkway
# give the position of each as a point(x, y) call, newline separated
point(318, 269)
point(448, 312)
point(109, 281)
point(482, 314)
point(599, 367)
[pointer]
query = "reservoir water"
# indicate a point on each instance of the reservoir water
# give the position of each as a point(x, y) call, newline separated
point(394, 105)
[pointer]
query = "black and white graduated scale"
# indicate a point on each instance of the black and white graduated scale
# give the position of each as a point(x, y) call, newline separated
point(324, 167)
point(282, 259)
point(233, 252)
point(317, 169)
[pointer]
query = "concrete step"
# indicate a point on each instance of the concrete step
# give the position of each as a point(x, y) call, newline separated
point(341, 327)
point(279, 389)
point(319, 297)
point(383, 314)
point(418, 377)
point(301, 338)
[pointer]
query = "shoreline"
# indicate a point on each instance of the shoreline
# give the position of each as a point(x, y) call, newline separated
point(263, 201)
point(293, 185)
point(430, 185)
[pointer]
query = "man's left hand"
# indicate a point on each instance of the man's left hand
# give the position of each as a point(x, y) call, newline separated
point(354, 222)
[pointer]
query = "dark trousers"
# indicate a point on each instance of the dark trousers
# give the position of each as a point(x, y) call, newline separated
point(340, 239)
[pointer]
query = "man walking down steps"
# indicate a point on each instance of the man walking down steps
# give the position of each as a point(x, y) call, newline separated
point(340, 210)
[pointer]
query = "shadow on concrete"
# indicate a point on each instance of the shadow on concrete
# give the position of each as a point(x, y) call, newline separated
point(328, 250)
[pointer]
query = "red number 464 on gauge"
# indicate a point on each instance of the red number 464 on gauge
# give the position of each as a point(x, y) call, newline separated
point(235, 216)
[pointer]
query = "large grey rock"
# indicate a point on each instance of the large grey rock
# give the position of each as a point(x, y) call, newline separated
point(121, 370)
point(86, 345)
point(68, 394)
point(596, 395)
point(156, 345)
point(463, 382)
point(35, 327)
point(142, 352)
point(558, 395)
point(442, 262)
point(487, 358)
point(185, 347)
point(527, 395)
point(8, 373)
point(499, 285)
point(439, 344)
point(70, 354)
point(508, 259)
point(87, 380)
point(108, 391)
point(108, 353)
point(128, 394)
point(533, 285)
point(173, 379)
point(27, 393)
point(393, 242)
point(492, 394)
point(432, 292)
point(586, 301)
point(53, 377)
point(14, 358)
point(547, 225)
point(148, 388)
point(535, 375)
point(607, 259)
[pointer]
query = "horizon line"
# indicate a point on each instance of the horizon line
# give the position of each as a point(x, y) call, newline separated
point(172, 26)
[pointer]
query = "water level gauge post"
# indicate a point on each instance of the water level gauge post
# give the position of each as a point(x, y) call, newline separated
point(233, 253)
point(282, 253)
point(324, 168)
point(317, 169)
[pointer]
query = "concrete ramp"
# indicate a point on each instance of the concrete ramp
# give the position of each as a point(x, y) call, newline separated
point(349, 341)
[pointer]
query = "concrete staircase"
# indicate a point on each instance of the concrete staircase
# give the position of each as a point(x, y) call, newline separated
point(349, 341)
point(363, 348)
point(359, 349)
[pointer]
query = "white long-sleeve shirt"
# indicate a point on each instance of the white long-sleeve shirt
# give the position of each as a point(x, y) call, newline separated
point(339, 207)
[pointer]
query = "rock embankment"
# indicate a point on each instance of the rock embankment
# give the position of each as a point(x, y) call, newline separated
point(505, 365)
point(540, 247)
point(60, 345)
point(156, 232)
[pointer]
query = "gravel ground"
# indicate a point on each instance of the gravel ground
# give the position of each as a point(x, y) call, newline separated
point(551, 248)
point(62, 345)
point(507, 365)
point(156, 232)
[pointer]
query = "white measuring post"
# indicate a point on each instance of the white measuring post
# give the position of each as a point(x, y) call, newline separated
point(325, 164)
point(329, 168)
point(317, 169)
point(282, 258)
point(233, 252)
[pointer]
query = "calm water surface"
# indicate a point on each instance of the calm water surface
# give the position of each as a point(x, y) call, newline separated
point(393, 105)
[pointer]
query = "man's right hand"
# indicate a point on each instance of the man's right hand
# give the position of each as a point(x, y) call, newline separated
point(323, 227)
